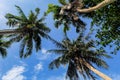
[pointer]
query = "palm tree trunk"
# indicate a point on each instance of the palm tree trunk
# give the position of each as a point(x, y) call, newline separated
point(105, 77)
point(9, 31)
point(98, 6)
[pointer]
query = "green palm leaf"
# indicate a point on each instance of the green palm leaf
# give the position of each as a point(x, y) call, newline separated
point(32, 30)
point(63, 2)
point(3, 46)
point(3, 52)
point(22, 15)
point(76, 51)
point(62, 51)
point(72, 72)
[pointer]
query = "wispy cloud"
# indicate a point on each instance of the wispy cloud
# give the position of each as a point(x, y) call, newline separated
point(38, 67)
point(44, 55)
point(15, 74)
point(44, 51)
point(5, 8)
point(23, 63)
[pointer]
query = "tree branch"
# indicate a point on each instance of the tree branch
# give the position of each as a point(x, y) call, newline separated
point(98, 6)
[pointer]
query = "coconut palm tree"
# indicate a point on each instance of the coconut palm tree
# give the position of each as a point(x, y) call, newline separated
point(27, 30)
point(81, 56)
point(67, 17)
point(3, 46)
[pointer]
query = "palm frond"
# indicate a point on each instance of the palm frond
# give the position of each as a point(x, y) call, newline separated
point(97, 61)
point(12, 23)
point(58, 44)
point(16, 38)
point(21, 12)
point(42, 27)
point(44, 35)
point(41, 19)
point(89, 44)
point(37, 10)
point(54, 64)
point(72, 72)
point(4, 43)
point(89, 74)
point(3, 46)
point(37, 40)
point(105, 55)
point(29, 47)
point(31, 17)
point(22, 47)
point(57, 51)
point(57, 62)
point(3, 52)
point(11, 16)
point(81, 69)
point(63, 2)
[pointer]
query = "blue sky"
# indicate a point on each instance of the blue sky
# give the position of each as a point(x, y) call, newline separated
point(36, 66)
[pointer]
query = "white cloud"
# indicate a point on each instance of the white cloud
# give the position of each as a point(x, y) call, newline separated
point(44, 51)
point(15, 74)
point(22, 63)
point(7, 6)
point(44, 55)
point(38, 67)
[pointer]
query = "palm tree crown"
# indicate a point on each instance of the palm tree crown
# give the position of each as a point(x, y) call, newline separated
point(68, 17)
point(30, 30)
point(75, 53)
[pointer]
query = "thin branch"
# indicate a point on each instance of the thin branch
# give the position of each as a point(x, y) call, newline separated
point(98, 6)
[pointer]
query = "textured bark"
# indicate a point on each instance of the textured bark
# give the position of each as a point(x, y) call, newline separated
point(67, 7)
point(105, 77)
point(9, 31)
point(98, 6)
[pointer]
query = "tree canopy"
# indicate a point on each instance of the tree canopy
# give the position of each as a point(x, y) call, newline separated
point(67, 13)
point(30, 30)
point(79, 53)
point(105, 18)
